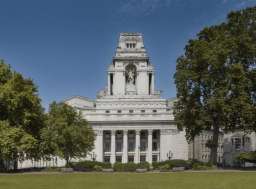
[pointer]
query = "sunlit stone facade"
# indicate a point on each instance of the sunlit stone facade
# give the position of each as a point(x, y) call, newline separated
point(131, 121)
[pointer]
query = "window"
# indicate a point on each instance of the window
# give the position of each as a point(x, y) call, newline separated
point(237, 143)
point(130, 45)
point(107, 159)
point(111, 84)
point(119, 159)
point(154, 111)
point(149, 83)
point(155, 146)
point(130, 158)
point(107, 111)
point(119, 111)
point(142, 111)
point(154, 158)
point(142, 158)
point(131, 111)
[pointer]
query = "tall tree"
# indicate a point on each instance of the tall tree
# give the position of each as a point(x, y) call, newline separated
point(21, 112)
point(66, 135)
point(215, 79)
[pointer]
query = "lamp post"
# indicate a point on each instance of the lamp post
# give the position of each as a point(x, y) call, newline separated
point(93, 155)
point(169, 155)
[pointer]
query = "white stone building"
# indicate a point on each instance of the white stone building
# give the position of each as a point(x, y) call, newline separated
point(230, 146)
point(131, 121)
point(198, 149)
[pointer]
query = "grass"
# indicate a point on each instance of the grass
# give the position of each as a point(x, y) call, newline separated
point(184, 180)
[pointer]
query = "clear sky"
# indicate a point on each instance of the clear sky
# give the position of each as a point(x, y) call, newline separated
point(65, 46)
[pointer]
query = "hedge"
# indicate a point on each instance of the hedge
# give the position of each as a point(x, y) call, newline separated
point(89, 165)
point(172, 163)
point(130, 167)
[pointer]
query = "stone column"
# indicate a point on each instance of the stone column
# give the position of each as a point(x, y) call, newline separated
point(150, 146)
point(153, 84)
point(125, 147)
point(113, 147)
point(137, 147)
point(99, 146)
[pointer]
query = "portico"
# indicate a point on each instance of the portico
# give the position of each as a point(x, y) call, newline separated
point(130, 145)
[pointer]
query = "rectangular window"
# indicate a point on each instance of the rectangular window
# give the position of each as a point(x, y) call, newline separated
point(130, 158)
point(149, 83)
point(131, 111)
point(111, 84)
point(107, 159)
point(237, 143)
point(154, 158)
point(142, 158)
point(119, 159)
point(155, 147)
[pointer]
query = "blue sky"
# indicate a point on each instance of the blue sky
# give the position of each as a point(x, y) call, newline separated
point(65, 46)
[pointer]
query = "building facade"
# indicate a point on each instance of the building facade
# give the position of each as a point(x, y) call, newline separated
point(131, 121)
point(198, 148)
point(230, 146)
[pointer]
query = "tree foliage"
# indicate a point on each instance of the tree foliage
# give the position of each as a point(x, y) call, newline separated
point(21, 116)
point(216, 79)
point(66, 135)
point(247, 157)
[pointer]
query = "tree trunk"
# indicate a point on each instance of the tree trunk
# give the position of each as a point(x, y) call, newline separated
point(15, 161)
point(67, 161)
point(214, 144)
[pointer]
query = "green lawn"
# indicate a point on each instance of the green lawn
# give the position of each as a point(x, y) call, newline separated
point(205, 180)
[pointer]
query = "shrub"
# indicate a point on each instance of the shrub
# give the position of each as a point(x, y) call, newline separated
point(247, 157)
point(88, 165)
point(97, 168)
point(196, 165)
point(164, 167)
point(172, 163)
point(143, 165)
point(125, 167)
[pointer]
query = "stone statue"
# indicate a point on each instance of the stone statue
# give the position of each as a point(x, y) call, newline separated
point(131, 75)
point(130, 79)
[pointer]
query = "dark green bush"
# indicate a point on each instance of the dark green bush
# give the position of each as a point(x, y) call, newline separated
point(164, 167)
point(172, 163)
point(89, 165)
point(197, 165)
point(97, 168)
point(125, 167)
point(143, 165)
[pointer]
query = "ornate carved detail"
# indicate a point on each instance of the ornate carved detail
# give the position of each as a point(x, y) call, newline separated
point(98, 132)
point(125, 132)
point(137, 131)
point(169, 131)
point(113, 132)
point(150, 131)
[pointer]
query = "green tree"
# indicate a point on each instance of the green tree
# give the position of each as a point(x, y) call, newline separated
point(16, 144)
point(215, 79)
point(21, 110)
point(66, 135)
